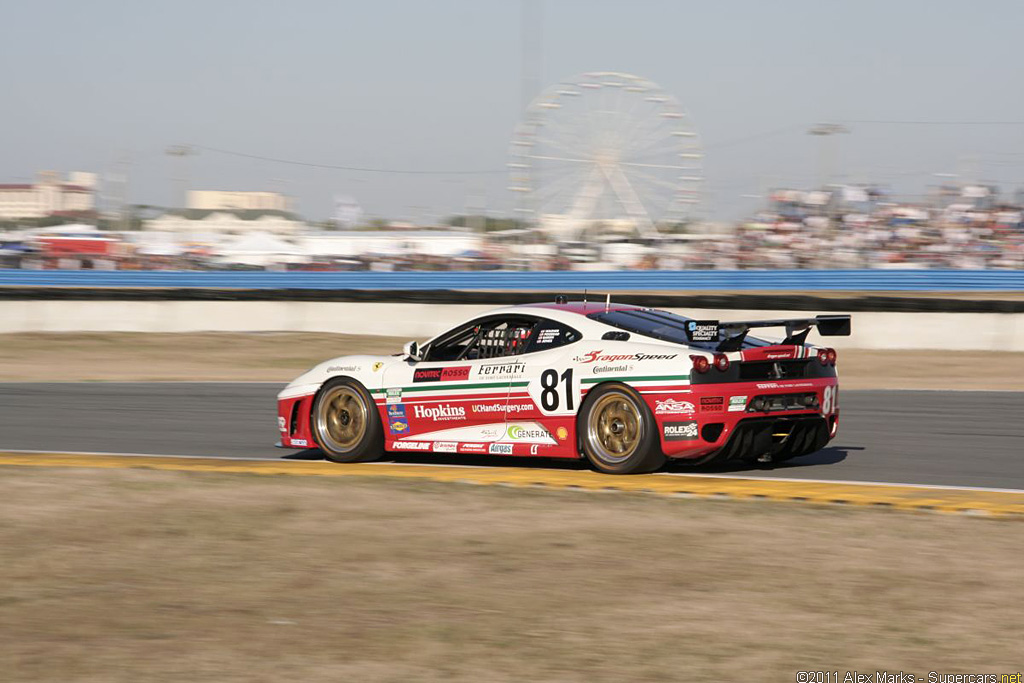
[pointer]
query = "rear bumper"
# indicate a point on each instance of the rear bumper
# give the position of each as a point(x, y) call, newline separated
point(699, 421)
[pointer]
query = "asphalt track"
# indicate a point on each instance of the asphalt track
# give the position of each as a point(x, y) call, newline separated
point(939, 438)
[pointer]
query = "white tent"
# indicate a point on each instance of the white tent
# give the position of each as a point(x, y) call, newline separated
point(259, 249)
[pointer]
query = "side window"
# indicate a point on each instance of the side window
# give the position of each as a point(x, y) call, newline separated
point(489, 338)
point(551, 335)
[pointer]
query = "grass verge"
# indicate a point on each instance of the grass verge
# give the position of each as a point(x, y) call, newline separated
point(128, 575)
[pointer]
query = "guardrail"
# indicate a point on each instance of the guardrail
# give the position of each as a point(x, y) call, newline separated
point(558, 281)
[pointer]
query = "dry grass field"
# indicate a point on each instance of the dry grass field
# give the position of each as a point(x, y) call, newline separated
point(282, 356)
point(136, 575)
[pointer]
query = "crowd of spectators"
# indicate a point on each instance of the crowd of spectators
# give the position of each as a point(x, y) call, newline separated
point(966, 229)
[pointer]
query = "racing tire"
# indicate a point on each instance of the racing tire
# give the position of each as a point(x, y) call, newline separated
point(345, 422)
point(618, 433)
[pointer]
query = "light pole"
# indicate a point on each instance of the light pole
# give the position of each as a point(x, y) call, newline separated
point(827, 152)
point(181, 152)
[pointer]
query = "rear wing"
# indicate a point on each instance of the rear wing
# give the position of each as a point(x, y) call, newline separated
point(732, 334)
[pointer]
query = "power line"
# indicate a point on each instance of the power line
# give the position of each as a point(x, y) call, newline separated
point(338, 167)
point(908, 122)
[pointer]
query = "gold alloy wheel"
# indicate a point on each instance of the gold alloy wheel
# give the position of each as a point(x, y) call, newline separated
point(341, 419)
point(614, 427)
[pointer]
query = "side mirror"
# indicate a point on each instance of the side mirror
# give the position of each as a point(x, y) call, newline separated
point(412, 351)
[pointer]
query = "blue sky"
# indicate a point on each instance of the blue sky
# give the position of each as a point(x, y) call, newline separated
point(438, 86)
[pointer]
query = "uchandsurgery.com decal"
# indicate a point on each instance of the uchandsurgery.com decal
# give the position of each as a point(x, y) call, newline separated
point(455, 374)
point(596, 357)
point(439, 413)
point(503, 408)
point(670, 406)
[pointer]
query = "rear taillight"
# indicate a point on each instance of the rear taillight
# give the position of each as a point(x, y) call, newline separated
point(823, 356)
point(721, 362)
point(700, 364)
point(832, 356)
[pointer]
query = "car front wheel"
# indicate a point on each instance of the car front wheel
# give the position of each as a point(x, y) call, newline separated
point(346, 424)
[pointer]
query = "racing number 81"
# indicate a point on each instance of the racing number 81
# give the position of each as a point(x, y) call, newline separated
point(830, 400)
point(549, 398)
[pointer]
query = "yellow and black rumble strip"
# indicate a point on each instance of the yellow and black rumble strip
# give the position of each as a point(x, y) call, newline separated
point(1001, 503)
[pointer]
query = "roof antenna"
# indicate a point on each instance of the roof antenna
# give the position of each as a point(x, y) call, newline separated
point(607, 302)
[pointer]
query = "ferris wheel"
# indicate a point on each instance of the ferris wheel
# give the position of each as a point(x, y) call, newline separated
point(605, 147)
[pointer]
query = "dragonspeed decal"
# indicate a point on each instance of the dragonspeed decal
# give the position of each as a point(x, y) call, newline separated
point(597, 357)
point(670, 406)
point(446, 374)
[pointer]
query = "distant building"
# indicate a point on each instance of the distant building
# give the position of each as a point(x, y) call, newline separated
point(217, 200)
point(49, 196)
point(201, 225)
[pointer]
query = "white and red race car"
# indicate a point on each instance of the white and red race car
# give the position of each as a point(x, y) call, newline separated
point(626, 387)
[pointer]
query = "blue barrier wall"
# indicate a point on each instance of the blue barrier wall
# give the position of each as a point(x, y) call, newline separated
point(563, 281)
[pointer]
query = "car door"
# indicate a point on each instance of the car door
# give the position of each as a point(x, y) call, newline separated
point(454, 399)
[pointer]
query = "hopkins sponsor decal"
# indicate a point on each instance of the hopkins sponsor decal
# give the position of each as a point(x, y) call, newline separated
point(439, 413)
point(393, 395)
point(597, 357)
point(496, 370)
point(411, 445)
point(281, 424)
point(344, 368)
point(397, 421)
point(680, 431)
point(670, 406)
point(454, 374)
point(445, 447)
point(702, 330)
point(300, 442)
point(712, 404)
point(500, 448)
point(737, 404)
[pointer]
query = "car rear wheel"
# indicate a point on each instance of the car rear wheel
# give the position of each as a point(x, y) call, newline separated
point(618, 432)
point(346, 424)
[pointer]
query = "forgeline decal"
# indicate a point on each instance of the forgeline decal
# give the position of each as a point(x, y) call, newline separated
point(439, 413)
point(445, 447)
point(562, 433)
point(513, 369)
point(737, 403)
point(282, 424)
point(455, 374)
point(500, 448)
point(670, 406)
point(680, 431)
point(300, 442)
point(393, 396)
point(596, 357)
point(397, 421)
point(711, 404)
point(411, 445)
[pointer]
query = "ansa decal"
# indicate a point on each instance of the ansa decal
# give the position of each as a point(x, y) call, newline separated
point(441, 412)
point(596, 357)
point(456, 374)
point(670, 406)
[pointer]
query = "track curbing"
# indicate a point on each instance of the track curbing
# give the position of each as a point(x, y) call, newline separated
point(1001, 503)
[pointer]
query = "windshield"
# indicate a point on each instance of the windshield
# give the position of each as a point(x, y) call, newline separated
point(662, 325)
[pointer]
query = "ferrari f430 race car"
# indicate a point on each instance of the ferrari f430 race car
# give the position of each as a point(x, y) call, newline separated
point(624, 386)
